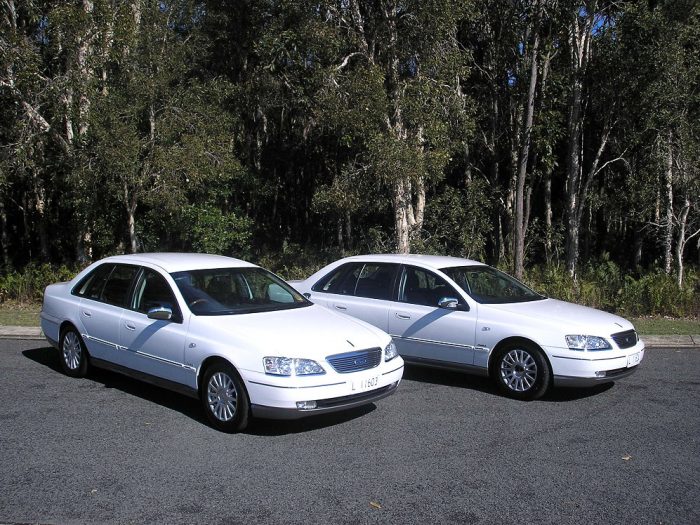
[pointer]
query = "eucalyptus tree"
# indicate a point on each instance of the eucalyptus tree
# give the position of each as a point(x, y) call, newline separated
point(160, 136)
point(658, 53)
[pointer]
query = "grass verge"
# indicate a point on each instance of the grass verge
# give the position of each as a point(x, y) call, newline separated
point(19, 314)
point(666, 326)
point(27, 314)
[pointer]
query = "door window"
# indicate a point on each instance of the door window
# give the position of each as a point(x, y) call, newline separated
point(109, 283)
point(418, 286)
point(116, 289)
point(91, 286)
point(153, 291)
point(372, 280)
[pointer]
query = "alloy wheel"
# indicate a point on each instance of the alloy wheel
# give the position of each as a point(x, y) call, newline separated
point(518, 370)
point(222, 396)
point(72, 350)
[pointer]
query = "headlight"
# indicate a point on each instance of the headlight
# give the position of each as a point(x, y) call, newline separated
point(587, 342)
point(287, 366)
point(390, 352)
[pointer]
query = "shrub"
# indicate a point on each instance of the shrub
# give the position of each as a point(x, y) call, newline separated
point(604, 285)
point(28, 285)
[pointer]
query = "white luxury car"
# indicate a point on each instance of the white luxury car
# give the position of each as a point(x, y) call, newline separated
point(461, 314)
point(219, 329)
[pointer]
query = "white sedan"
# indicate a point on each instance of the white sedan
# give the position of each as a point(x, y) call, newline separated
point(219, 329)
point(461, 314)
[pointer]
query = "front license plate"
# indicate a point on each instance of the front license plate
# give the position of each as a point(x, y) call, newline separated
point(633, 359)
point(361, 385)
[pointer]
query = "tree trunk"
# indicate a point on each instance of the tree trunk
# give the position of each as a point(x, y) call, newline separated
point(579, 48)
point(668, 222)
point(680, 243)
point(4, 238)
point(519, 222)
point(401, 196)
point(131, 204)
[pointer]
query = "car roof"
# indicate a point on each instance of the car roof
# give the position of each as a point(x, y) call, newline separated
point(428, 261)
point(178, 262)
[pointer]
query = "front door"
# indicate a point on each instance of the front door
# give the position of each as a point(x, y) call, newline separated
point(153, 346)
point(425, 332)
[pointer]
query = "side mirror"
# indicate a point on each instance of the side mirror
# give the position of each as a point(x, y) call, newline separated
point(160, 313)
point(448, 302)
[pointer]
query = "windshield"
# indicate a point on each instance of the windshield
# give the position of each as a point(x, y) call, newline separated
point(490, 286)
point(227, 291)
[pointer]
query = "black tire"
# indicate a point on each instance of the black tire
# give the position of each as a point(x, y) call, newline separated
point(224, 398)
point(521, 371)
point(73, 354)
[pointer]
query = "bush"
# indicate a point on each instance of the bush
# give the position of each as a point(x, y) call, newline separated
point(604, 285)
point(28, 285)
point(296, 263)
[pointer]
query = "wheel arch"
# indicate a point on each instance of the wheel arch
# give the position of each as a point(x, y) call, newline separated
point(514, 340)
point(212, 360)
point(65, 325)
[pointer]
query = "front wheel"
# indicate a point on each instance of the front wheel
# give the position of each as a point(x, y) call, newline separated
point(224, 398)
point(521, 371)
point(74, 356)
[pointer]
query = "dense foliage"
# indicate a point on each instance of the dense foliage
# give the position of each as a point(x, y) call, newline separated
point(550, 134)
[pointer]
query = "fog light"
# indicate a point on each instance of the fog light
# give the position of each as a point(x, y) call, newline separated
point(600, 374)
point(306, 405)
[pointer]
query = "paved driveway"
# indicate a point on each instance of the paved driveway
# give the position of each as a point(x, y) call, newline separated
point(444, 449)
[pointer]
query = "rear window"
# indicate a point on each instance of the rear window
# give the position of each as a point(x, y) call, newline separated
point(372, 280)
point(108, 283)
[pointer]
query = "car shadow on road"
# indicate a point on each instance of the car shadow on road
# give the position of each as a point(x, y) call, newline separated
point(485, 385)
point(269, 427)
point(187, 406)
point(451, 378)
point(191, 407)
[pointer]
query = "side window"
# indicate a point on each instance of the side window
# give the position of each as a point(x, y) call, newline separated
point(116, 289)
point(341, 281)
point(372, 280)
point(92, 285)
point(420, 286)
point(376, 281)
point(153, 291)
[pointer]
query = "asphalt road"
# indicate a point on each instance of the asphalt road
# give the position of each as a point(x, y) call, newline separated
point(444, 449)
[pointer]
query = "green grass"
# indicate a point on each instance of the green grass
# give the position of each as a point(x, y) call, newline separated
point(15, 314)
point(666, 326)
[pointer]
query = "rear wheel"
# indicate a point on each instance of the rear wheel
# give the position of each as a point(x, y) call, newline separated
point(521, 371)
point(224, 398)
point(74, 356)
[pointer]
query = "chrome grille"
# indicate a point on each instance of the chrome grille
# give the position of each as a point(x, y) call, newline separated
point(355, 361)
point(625, 339)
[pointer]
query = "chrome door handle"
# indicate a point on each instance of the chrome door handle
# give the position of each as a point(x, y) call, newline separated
point(340, 307)
point(87, 314)
point(130, 326)
point(405, 317)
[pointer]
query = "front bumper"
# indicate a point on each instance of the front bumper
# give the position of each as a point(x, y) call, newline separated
point(325, 406)
point(276, 398)
point(580, 369)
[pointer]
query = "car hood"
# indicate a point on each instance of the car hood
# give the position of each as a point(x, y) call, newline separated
point(566, 316)
point(311, 332)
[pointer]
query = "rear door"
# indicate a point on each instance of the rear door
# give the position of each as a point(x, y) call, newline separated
point(364, 290)
point(103, 297)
